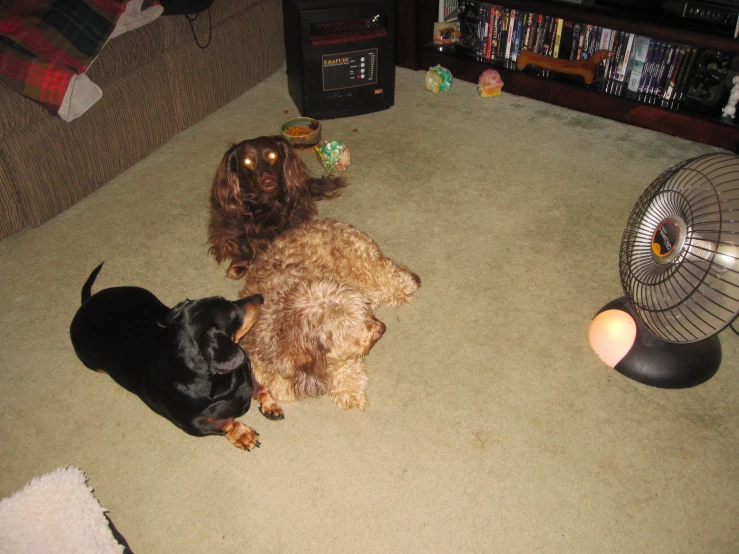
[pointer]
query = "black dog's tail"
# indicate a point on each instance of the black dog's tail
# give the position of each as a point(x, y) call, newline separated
point(87, 287)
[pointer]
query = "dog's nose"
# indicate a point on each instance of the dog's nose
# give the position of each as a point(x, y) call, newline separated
point(376, 329)
point(268, 181)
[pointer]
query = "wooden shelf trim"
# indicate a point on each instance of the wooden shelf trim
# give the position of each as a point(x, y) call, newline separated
point(580, 98)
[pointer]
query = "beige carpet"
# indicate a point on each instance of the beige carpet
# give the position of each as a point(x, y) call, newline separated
point(492, 425)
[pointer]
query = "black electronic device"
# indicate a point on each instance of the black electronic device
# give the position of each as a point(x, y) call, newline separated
point(340, 56)
point(722, 13)
point(634, 7)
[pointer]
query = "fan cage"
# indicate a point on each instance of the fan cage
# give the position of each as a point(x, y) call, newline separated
point(679, 256)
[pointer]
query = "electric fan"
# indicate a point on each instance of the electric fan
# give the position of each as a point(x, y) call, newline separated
point(679, 266)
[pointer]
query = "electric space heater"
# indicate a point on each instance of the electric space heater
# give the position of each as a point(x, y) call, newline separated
point(340, 56)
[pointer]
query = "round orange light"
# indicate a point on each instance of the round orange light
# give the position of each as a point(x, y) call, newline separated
point(612, 334)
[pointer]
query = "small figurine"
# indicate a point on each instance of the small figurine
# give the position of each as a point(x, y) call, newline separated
point(333, 155)
point(730, 108)
point(446, 33)
point(438, 78)
point(489, 84)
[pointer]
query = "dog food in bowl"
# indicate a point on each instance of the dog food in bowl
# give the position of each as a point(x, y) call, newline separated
point(301, 131)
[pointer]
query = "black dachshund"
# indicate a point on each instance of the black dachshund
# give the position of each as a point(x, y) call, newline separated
point(183, 362)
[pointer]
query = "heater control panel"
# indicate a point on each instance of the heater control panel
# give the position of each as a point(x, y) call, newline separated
point(349, 69)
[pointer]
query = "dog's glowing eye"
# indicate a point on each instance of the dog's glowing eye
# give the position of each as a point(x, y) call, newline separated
point(272, 156)
point(248, 162)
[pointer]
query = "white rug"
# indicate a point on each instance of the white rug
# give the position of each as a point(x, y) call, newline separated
point(56, 513)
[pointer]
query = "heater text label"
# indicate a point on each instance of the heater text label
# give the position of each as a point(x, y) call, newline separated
point(349, 69)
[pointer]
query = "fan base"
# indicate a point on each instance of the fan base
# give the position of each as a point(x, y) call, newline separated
point(658, 363)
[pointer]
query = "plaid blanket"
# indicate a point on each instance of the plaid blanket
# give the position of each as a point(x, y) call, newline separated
point(44, 44)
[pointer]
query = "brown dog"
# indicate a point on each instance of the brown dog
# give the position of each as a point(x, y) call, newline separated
point(261, 189)
point(321, 282)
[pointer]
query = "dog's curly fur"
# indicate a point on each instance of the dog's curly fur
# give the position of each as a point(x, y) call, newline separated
point(261, 188)
point(322, 282)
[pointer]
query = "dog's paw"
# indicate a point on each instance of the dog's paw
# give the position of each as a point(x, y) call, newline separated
point(271, 410)
point(268, 407)
point(243, 436)
point(347, 400)
point(405, 283)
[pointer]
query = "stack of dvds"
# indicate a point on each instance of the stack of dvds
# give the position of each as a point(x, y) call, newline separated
point(656, 72)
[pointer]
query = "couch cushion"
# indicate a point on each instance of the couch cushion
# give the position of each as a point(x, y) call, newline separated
point(128, 51)
point(17, 111)
point(122, 54)
point(47, 164)
point(251, 39)
point(142, 45)
point(12, 217)
point(56, 164)
point(223, 9)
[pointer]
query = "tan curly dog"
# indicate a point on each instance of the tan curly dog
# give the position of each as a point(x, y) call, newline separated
point(321, 282)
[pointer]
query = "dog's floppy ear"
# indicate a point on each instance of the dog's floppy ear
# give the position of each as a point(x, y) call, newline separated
point(311, 376)
point(214, 351)
point(220, 353)
point(185, 348)
point(302, 356)
point(293, 170)
point(225, 190)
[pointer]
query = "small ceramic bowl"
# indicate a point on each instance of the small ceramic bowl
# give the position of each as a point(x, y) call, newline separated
point(302, 131)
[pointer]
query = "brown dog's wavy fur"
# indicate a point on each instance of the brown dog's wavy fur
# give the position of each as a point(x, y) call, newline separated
point(252, 204)
point(321, 282)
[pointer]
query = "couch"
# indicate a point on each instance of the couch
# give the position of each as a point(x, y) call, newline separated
point(156, 81)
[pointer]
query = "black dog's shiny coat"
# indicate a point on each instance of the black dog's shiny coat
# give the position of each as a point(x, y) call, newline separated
point(183, 362)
